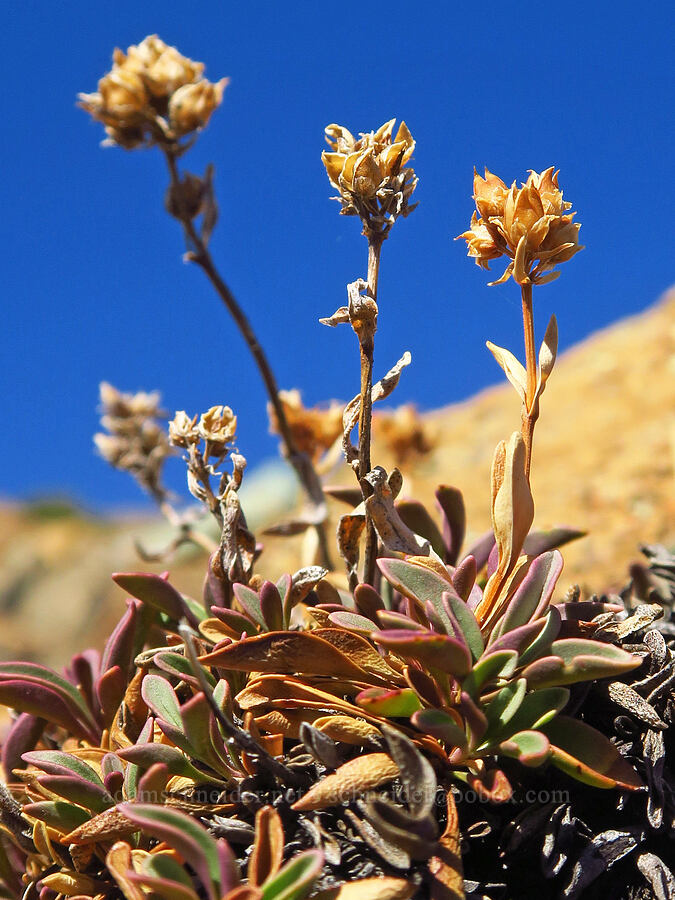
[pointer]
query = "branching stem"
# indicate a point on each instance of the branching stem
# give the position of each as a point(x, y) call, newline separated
point(199, 254)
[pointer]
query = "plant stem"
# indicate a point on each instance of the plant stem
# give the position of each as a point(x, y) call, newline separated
point(199, 253)
point(530, 412)
point(367, 347)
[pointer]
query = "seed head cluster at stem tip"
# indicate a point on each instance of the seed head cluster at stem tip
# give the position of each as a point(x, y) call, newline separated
point(530, 224)
point(152, 95)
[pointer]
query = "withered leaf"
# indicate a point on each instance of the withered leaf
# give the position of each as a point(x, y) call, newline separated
point(446, 867)
point(286, 652)
point(352, 779)
point(624, 695)
point(392, 530)
point(106, 826)
point(268, 849)
point(382, 888)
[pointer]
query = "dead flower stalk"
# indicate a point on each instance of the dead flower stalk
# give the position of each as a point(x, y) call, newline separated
point(155, 96)
point(533, 227)
point(373, 182)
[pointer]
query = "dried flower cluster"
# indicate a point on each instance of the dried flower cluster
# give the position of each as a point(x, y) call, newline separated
point(531, 225)
point(135, 441)
point(371, 174)
point(153, 95)
point(405, 433)
point(315, 429)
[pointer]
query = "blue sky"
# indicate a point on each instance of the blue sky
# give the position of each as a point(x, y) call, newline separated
point(94, 286)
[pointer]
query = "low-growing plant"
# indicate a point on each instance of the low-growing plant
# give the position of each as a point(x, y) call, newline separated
point(307, 737)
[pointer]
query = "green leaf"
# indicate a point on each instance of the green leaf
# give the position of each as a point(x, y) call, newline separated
point(531, 748)
point(440, 724)
point(417, 582)
point(176, 664)
point(542, 642)
point(578, 659)
point(60, 816)
point(466, 620)
point(588, 755)
point(184, 834)
point(538, 708)
point(433, 650)
point(162, 865)
point(250, 603)
point(533, 595)
point(161, 698)
point(398, 703)
point(353, 622)
point(77, 790)
point(56, 762)
point(146, 755)
point(296, 879)
point(502, 708)
point(158, 593)
point(501, 664)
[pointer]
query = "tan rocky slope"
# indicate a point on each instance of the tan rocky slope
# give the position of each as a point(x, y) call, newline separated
point(604, 462)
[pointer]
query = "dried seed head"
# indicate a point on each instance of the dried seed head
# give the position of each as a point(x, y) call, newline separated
point(218, 426)
point(370, 174)
point(135, 442)
point(314, 429)
point(530, 224)
point(405, 433)
point(153, 94)
point(183, 430)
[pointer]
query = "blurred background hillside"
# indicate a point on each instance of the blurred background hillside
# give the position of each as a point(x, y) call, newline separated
point(604, 462)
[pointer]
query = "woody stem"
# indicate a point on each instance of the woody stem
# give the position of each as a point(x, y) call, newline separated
point(367, 347)
point(199, 254)
point(530, 411)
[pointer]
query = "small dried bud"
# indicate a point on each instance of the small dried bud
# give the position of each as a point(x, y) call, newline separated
point(218, 426)
point(529, 224)
point(370, 173)
point(182, 430)
point(191, 106)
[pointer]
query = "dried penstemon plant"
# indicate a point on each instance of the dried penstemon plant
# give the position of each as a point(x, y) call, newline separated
point(374, 182)
point(155, 97)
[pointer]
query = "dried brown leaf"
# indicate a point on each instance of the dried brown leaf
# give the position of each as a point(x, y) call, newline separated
point(289, 652)
point(382, 888)
point(268, 849)
point(446, 867)
point(354, 778)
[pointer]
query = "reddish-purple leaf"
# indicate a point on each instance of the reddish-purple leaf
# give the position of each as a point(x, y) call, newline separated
point(538, 542)
point(185, 835)
point(156, 591)
point(119, 648)
point(534, 593)
point(270, 606)
point(437, 651)
point(451, 503)
point(77, 790)
point(464, 577)
point(43, 701)
point(23, 735)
